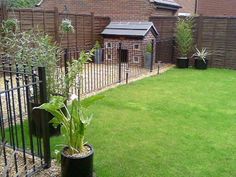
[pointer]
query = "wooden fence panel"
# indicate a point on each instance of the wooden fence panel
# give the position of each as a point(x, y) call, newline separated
point(217, 34)
point(166, 28)
point(87, 27)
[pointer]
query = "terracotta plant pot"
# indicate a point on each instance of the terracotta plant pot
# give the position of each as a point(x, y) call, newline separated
point(200, 64)
point(77, 166)
point(182, 62)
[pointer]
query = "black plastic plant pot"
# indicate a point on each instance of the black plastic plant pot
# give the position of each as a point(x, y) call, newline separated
point(77, 166)
point(182, 62)
point(200, 64)
point(36, 122)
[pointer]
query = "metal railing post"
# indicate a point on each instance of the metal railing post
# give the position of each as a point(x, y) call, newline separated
point(120, 58)
point(152, 55)
point(45, 125)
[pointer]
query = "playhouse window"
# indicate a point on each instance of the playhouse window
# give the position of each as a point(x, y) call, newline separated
point(136, 59)
point(109, 56)
point(108, 45)
point(136, 47)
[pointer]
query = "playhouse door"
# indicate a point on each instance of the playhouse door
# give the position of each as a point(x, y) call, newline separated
point(124, 56)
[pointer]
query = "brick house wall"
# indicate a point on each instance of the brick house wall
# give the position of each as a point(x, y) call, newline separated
point(217, 7)
point(188, 6)
point(117, 10)
point(128, 44)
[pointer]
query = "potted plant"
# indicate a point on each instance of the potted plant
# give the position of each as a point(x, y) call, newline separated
point(46, 53)
point(184, 40)
point(148, 56)
point(201, 61)
point(28, 49)
point(66, 26)
point(98, 53)
point(76, 155)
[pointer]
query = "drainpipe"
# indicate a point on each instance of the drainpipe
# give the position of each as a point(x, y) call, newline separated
point(196, 6)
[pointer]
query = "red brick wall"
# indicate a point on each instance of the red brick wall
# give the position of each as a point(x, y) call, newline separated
point(188, 6)
point(118, 10)
point(217, 7)
point(128, 44)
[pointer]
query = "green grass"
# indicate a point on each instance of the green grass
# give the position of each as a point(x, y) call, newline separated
point(181, 124)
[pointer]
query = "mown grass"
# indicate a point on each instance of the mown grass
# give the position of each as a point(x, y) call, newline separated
point(181, 124)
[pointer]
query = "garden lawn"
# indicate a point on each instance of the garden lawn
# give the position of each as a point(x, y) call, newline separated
point(180, 124)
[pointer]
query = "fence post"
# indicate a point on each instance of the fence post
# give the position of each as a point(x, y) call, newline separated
point(173, 51)
point(92, 29)
point(45, 125)
point(56, 25)
point(120, 58)
point(3, 10)
point(199, 31)
point(66, 60)
point(152, 55)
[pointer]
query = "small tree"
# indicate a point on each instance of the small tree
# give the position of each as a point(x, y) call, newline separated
point(97, 45)
point(149, 48)
point(184, 36)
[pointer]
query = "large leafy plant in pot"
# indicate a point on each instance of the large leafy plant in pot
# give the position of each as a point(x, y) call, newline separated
point(76, 155)
point(184, 40)
point(71, 117)
point(32, 49)
point(46, 53)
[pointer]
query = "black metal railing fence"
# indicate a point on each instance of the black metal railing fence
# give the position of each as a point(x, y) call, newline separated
point(22, 153)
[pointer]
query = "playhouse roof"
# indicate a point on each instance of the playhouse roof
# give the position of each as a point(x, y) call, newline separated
point(129, 29)
point(168, 4)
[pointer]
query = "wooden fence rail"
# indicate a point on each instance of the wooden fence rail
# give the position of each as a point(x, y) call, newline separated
point(87, 27)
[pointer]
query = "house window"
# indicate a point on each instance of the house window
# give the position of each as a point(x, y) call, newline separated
point(136, 46)
point(109, 45)
point(136, 59)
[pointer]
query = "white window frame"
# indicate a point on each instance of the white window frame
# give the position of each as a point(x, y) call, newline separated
point(107, 45)
point(134, 61)
point(139, 47)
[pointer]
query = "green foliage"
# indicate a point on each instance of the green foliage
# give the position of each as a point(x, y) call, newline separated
point(47, 54)
point(184, 36)
point(73, 123)
point(149, 48)
point(9, 25)
point(97, 45)
point(22, 3)
point(75, 70)
point(31, 48)
point(201, 54)
point(66, 26)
